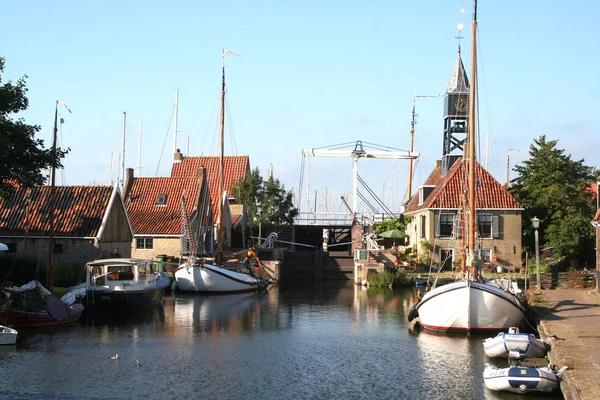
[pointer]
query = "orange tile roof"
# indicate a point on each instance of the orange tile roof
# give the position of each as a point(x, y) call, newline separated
point(78, 211)
point(148, 218)
point(449, 189)
point(236, 168)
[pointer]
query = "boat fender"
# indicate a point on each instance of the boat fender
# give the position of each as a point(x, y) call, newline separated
point(413, 313)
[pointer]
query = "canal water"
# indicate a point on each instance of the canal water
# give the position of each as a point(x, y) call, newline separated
point(321, 341)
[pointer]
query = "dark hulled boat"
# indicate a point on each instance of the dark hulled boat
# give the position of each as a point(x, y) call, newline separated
point(120, 284)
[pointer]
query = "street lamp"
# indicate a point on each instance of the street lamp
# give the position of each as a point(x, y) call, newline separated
point(536, 224)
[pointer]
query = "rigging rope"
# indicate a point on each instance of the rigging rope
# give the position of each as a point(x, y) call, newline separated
point(165, 141)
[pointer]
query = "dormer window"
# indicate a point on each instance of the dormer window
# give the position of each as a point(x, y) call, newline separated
point(424, 192)
point(161, 200)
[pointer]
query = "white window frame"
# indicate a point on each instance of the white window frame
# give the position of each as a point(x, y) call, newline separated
point(147, 243)
point(482, 254)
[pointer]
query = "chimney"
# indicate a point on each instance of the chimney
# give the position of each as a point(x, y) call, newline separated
point(128, 181)
point(438, 163)
point(178, 157)
point(201, 175)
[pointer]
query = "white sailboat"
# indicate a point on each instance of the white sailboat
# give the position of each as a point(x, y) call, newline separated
point(469, 305)
point(212, 277)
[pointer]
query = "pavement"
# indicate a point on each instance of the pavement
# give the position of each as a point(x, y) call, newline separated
point(569, 320)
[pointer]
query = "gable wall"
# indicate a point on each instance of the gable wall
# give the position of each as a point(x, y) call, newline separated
point(116, 229)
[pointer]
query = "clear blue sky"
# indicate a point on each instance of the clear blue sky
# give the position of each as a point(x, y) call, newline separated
point(310, 74)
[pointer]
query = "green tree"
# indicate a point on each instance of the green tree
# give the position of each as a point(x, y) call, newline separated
point(398, 223)
point(556, 189)
point(23, 158)
point(269, 205)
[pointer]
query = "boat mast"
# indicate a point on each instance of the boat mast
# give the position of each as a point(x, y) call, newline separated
point(52, 194)
point(140, 150)
point(412, 141)
point(123, 160)
point(471, 141)
point(175, 126)
point(219, 256)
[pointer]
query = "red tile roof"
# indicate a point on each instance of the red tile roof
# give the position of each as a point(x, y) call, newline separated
point(148, 218)
point(450, 187)
point(236, 168)
point(78, 211)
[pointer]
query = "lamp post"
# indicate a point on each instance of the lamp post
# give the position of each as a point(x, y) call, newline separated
point(536, 224)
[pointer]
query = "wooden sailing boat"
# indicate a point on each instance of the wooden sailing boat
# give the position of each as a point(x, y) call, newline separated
point(32, 305)
point(212, 277)
point(469, 304)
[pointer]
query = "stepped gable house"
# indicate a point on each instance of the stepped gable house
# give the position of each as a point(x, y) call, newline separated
point(90, 222)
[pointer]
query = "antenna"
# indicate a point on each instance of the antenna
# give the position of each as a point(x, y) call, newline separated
point(412, 138)
point(508, 166)
point(140, 150)
point(123, 160)
point(176, 121)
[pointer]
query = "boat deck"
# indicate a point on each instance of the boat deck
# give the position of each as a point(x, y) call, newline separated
point(570, 319)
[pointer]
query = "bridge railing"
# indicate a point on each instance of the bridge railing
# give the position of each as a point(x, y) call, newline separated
point(338, 218)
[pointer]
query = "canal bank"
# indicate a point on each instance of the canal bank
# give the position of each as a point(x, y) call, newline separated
point(569, 319)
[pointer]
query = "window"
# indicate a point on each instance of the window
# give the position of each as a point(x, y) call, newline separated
point(144, 244)
point(58, 248)
point(486, 255)
point(161, 200)
point(446, 225)
point(424, 192)
point(422, 226)
point(487, 226)
point(142, 271)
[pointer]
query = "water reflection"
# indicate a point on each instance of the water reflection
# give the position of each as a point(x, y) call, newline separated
point(213, 315)
point(323, 340)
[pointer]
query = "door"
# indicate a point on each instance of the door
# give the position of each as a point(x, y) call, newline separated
point(446, 256)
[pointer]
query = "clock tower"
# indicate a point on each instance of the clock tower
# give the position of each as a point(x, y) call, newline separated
point(456, 111)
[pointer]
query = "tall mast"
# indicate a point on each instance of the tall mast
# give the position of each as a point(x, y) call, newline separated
point(412, 141)
point(140, 150)
point(176, 121)
point(472, 123)
point(123, 160)
point(52, 194)
point(221, 164)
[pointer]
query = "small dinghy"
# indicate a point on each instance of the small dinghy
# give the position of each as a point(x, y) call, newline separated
point(525, 343)
point(522, 379)
point(8, 335)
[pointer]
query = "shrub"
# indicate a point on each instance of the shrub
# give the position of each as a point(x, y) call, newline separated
point(68, 274)
point(386, 279)
point(531, 266)
point(19, 269)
